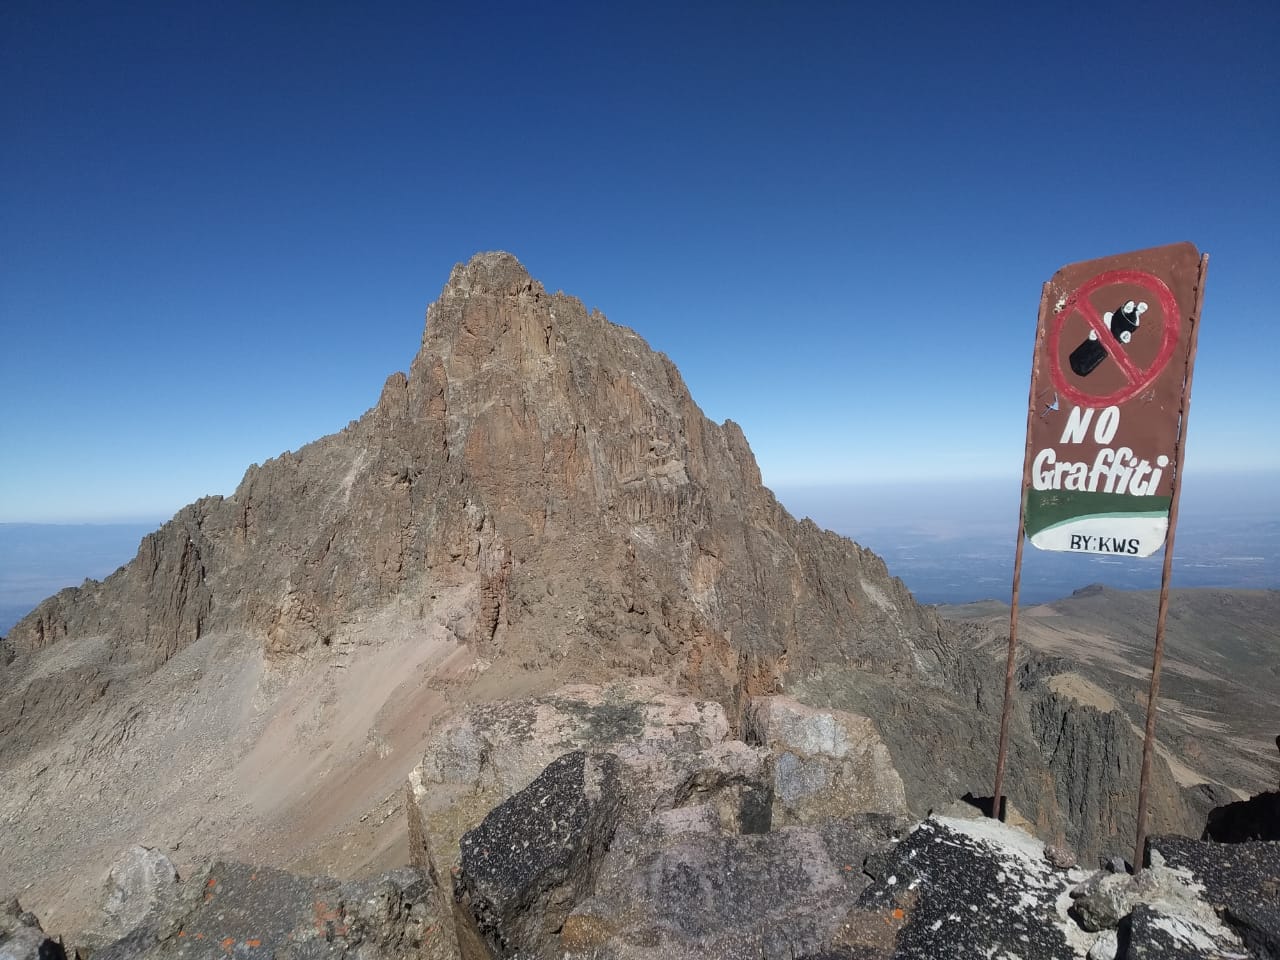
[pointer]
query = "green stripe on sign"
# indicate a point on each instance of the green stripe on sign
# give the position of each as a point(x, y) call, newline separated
point(1048, 508)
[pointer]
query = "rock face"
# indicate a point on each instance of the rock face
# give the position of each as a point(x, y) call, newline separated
point(1094, 755)
point(826, 763)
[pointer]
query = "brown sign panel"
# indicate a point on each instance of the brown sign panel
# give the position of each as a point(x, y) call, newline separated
point(1113, 356)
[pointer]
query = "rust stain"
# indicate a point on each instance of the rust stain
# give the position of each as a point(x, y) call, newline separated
point(897, 913)
point(253, 943)
point(227, 944)
point(329, 920)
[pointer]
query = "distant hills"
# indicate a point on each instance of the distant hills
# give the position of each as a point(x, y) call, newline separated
point(1220, 683)
point(952, 543)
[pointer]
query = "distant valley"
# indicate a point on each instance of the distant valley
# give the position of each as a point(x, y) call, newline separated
point(1219, 685)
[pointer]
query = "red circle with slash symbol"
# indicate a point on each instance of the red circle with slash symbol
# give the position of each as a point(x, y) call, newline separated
point(1139, 378)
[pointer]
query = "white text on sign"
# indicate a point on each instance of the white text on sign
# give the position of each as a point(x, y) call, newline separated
point(1113, 470)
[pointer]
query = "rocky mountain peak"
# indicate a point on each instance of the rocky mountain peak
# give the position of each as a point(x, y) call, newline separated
point(548, 472)
point(496, 272)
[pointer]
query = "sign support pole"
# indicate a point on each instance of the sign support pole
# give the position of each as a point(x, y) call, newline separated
point(1002, 750)
point(1175, 495)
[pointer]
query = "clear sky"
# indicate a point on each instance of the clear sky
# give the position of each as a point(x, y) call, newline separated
point(222, 223)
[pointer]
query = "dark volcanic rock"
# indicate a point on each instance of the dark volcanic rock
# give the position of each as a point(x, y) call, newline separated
point(972, 890)
point(1257, 818)
point(1241, 881)
point(535, 855)
point(1150, 934)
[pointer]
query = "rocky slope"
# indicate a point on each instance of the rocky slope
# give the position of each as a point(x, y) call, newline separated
point(1219, 685)
point(624, 822)
point(538, 500)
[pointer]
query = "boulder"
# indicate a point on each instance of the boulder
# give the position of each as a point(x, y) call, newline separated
point(672, 752)
point(685, 889)
point(534, 856)
point(826, 763)
point(141, 882)
point(969, 890)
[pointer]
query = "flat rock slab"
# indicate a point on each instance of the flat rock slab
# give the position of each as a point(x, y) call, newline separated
point(250, 913)
point(684, 889)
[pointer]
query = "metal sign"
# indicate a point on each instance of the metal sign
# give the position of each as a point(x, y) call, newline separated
point(1112, 358)
point(1106, 428)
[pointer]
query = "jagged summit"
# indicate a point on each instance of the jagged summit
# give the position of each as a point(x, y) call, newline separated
point(494, 272)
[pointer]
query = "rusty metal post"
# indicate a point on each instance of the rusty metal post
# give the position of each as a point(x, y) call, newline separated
point(1149, 734)
point(1003, 748)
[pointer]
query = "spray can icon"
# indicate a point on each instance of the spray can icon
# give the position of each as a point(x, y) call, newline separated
point(1122, 323)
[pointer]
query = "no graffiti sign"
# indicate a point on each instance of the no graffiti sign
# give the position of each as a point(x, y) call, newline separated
point(1106, 430)
point(1109, 388)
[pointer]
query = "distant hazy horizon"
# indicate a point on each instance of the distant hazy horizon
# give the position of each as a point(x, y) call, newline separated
point(949, 542)
point(954, 542)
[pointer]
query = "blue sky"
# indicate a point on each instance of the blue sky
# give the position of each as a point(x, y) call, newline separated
point(221, 224)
